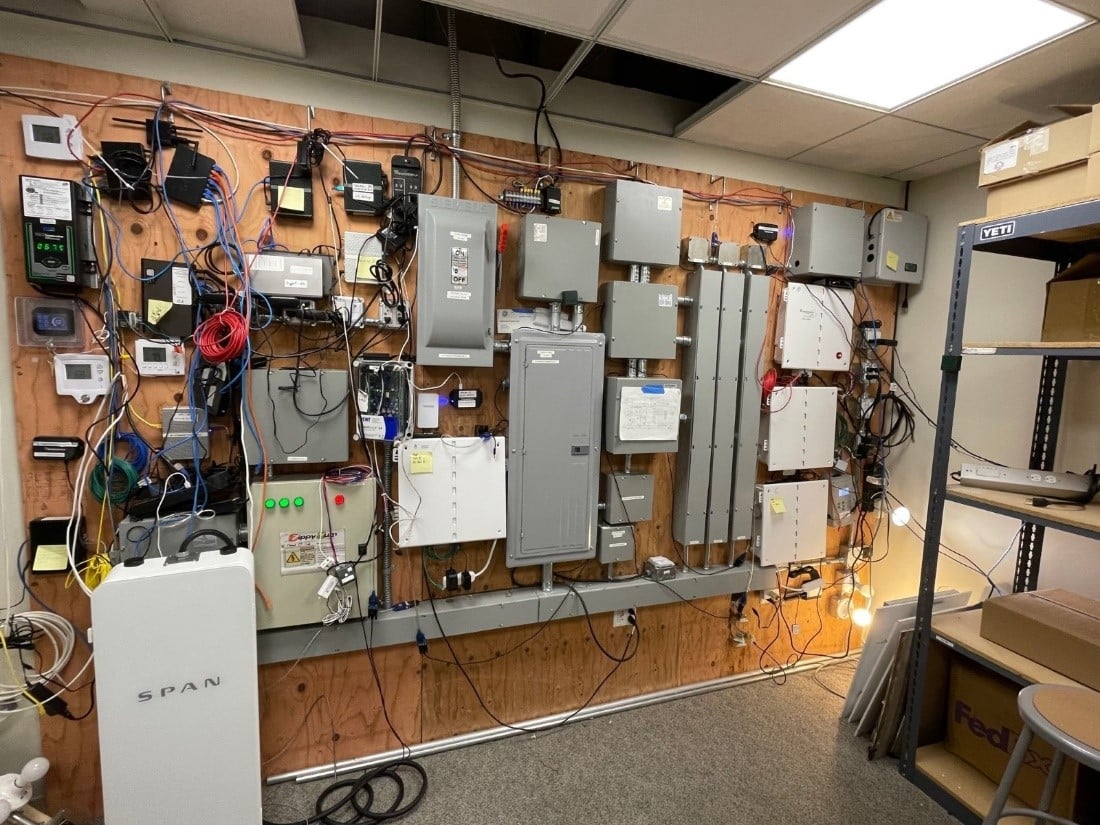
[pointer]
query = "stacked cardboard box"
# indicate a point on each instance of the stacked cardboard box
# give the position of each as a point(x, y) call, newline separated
point(1033, 167)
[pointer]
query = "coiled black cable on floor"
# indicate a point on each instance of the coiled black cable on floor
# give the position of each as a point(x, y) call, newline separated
point(356, 797)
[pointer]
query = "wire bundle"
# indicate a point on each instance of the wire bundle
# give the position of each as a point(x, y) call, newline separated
point(20, 632)
point(222, 337)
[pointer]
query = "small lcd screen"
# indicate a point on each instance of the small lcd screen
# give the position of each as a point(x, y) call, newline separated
point(43, 133)
point(53, 321)
point(158, 355)
point(78, 372)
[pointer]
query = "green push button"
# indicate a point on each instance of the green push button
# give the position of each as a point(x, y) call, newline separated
point(284, 502)
point(270, 504)
point(299, 501)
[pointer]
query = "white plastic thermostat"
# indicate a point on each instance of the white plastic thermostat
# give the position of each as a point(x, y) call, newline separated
point(83, 377)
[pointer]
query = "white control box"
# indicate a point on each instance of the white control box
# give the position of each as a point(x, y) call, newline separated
point(451, 490)
point(790, 521)
point(159, 358)
point(814, 328)
point(83, 377)
point(799, 430)
point(54, 138)
point(299, 527)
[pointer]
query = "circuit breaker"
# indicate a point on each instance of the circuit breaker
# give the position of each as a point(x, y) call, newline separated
point(640, 319)
point(642, 415)
point(814, 328)
point(641, 223)
point(558, 255)
point(451, 490)
point(799, 430)
point(827, 241)
point(300, 526)
point(896, 241)
point(301, 416)
point(455, 282)
point(554, 405)
point(790, 521)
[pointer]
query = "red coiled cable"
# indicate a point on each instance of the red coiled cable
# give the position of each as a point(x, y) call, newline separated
point(222, 337)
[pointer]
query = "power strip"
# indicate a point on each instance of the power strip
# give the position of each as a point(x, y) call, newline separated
point(1066, 486)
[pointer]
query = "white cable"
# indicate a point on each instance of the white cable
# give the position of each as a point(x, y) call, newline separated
point(488, 561)
point(61, 636)
point(156, 519)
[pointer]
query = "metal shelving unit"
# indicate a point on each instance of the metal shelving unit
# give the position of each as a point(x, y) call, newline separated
point(1061, 235)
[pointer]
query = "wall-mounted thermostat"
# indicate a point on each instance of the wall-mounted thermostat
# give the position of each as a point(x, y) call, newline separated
point(54, 138)
point(83, 377)
point(156, 358)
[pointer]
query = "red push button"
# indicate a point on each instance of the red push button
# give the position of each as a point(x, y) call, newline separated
point(339, 499)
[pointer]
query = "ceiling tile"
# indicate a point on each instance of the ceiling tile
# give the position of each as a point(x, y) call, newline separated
point(1022, 89)
point(275, 29)
point(576, 17)
point(744, 37)
point(887, 145)
point(967, 157)
point(1089, 7)
point(777, 122)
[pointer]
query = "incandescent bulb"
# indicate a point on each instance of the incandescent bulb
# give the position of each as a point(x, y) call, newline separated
point(900, 515)
point(861, 617)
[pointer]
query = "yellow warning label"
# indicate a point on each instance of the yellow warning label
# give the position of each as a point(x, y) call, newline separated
point(293, 558)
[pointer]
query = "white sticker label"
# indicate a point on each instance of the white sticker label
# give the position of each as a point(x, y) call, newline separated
point(457, 356)
point(597, 237)
point(181, 286)
point(267, 263)
point(295, 283)
point(460, 265)
point(362, 192)
point(458, 296)
point(309, 552)
point(461, 236)
point(298, 269)
point(892, 215)
point(1037, 141)
point(48, 200)
point(374, 427)
point(666, 300)
point(664, 203)
point(1000, 157)
point(541, 231)
point(649, 413)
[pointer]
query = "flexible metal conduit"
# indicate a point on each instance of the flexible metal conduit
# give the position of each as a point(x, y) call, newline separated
point(456, 99)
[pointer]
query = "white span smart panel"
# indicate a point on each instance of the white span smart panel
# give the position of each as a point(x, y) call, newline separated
point(799, 430)
point(450, 490)
point(790, 521)
point(814, 328)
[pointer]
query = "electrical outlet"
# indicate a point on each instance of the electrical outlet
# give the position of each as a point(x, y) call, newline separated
point(621, 618)
point(796, 629)
point(353, 309)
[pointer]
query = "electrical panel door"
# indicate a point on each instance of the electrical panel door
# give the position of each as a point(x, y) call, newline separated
point(455, 282)
point(799, 431)
point(814, 328)
point(790, 521)
point(556, 395)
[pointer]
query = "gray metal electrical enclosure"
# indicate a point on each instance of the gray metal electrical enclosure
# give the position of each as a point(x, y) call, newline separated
point(301, 416)
point(641, 415)
point(828, 241)
point(641, 223)
point(554, 404)
point(628, 496)
point(558, 255)
point(754, 326)
point(640, 319)
point(455, 282)
point(615, 543)
point(896, 242)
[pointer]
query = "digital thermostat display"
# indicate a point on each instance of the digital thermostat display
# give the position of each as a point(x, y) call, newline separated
point(157, 358)
point(53, 322)
point(45, 133)
point(83, 377)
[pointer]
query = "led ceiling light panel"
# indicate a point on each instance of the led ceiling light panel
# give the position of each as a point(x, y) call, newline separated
point(901, 50)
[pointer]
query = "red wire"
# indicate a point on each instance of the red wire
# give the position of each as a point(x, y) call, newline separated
point(222, 337)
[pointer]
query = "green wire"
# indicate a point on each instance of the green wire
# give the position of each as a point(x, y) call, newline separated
point(123, 481)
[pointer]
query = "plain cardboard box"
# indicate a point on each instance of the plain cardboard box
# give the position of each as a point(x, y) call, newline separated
point(1078, 182)
point(1073, 303)
point(1094, 138)
point(1030, 149)
point(983, 726)
point(1056, 628)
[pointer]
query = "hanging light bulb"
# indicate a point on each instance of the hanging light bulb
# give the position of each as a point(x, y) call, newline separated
point(861, 617)
point(900, 515)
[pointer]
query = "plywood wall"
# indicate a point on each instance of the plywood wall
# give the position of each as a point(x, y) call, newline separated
point(328, 708)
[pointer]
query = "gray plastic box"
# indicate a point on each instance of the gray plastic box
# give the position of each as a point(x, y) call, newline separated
point(615, 543)
point(629, 497)
point(641, 223)
point(554, 403)
point(828, 241)
point(455, 282)
point(641, 417)
point(558, 255)
point(640, 319)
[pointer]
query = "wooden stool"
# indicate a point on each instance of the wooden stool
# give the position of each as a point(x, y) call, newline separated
point(1068, 718)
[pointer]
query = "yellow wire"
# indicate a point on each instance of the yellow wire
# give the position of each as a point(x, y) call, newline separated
point(18, 678)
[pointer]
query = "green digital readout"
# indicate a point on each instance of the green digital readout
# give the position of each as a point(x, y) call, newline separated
point(47, 246)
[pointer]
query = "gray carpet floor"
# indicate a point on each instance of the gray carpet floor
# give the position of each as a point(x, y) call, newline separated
point(753, 753)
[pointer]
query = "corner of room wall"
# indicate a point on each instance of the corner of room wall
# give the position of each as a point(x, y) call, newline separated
point(995, 404)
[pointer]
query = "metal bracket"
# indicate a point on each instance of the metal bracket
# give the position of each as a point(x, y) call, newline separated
point(951, 363)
